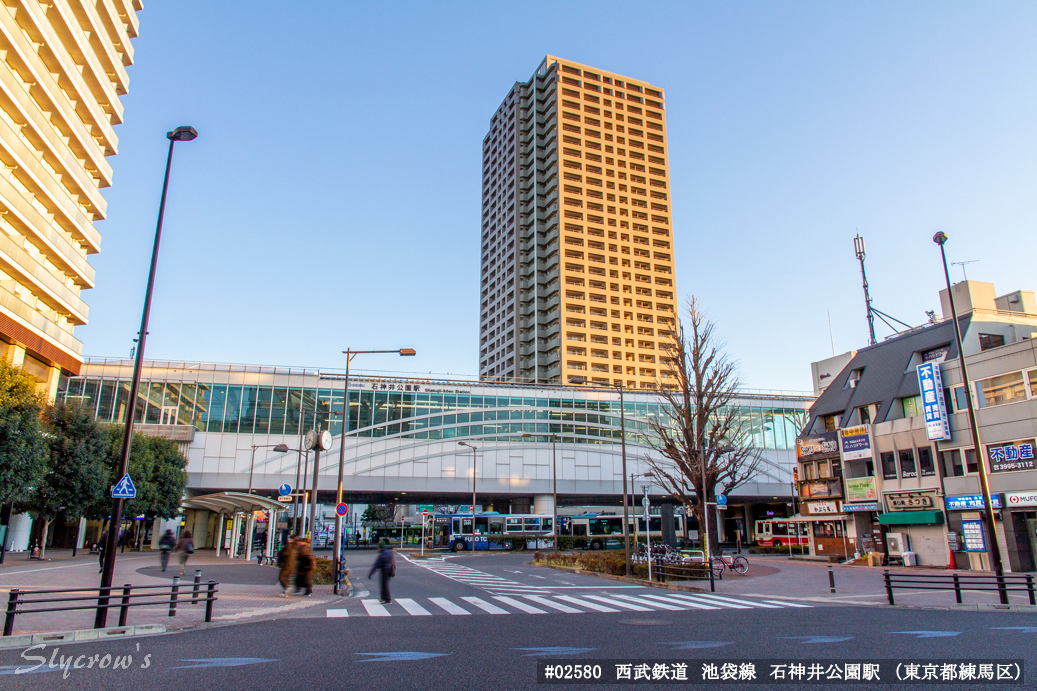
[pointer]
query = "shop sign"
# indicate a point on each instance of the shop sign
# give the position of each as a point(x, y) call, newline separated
point(868, 506)
point(972, 532)
point(822, 507)
point(937, 424)
point(860, 489)
point(1016, 455)
point(1014, 499)
point(856, 442)
point(817, 445)
point(965, 502)
point(909, 501)
point(816, 489)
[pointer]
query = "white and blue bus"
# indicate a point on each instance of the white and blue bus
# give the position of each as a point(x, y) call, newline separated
point(491, 530)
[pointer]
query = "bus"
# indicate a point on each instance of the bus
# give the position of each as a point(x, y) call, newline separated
point(781, 532)
point(605, 530)
point(455, 530)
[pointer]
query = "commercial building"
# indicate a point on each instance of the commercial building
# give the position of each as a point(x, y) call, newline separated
point(577, 242)
point(402, 437)
point(61, 77)
point(898, 478)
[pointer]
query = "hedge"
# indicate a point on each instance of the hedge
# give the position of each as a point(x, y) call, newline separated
point(796, 549)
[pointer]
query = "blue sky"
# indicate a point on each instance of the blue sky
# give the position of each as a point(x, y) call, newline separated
point(332, 197)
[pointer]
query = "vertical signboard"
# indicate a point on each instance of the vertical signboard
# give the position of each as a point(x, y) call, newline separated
point(937, 424)
point(856, 443)
point(972, 532)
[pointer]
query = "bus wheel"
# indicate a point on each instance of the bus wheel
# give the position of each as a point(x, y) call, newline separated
point(777, 543)
point(459, 546)
point(597, 544)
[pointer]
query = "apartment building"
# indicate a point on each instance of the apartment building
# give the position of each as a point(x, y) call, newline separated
point(577, 280)
point(62, 74)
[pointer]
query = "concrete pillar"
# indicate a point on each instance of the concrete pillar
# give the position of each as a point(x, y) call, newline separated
point(219, 535)
point(250, 524)
point(19, 531)
point(233, 549)
point(271, 533)
point(543, 504)
point(81, 533)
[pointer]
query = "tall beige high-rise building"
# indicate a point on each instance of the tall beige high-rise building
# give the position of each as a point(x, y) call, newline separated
point(63, 71)
point(577, 243)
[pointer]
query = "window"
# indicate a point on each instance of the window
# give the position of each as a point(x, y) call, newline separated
point(960, 402)
point(970, 461)
point(988, 341)
point(1032, 374)
point(865, 415)
point(1007, 388)
point(952, 466)
point(925, 462)
point(907, 464)
point(912, 406)
point(831, 422)
point(889, 466)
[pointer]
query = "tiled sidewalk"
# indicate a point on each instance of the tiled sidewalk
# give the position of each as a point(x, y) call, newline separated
point(256, 594)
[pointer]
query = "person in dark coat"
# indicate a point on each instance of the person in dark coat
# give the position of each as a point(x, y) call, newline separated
point(386, 564)
point(102, 544)
point(286, 560)
point(305, 562)
point(186, 548)
point(166, 543)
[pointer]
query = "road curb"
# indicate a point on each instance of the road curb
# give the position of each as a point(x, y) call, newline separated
point(80, 635)
point(624, 579)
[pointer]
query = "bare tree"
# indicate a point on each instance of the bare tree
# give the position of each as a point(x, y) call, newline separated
point(705, 441)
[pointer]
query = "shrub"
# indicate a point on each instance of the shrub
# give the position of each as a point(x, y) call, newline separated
point(607, 562)
point(762, 549)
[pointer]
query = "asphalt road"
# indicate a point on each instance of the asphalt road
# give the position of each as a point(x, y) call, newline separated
point(402, 648)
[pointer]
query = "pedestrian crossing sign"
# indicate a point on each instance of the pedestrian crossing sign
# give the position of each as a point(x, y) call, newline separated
point(124, 489)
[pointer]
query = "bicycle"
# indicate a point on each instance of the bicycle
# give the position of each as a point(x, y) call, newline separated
point(739, 564)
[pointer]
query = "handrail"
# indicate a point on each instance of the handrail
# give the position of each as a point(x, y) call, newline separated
point(159, 594)
point(955, 582)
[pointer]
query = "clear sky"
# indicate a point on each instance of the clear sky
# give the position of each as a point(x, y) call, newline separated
point(332, 198)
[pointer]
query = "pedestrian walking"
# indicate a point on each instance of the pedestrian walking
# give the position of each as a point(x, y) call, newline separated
point(102, 543)
point(286, 560)
point(166, 543)
point(305, 561)
point(186, 548)
point(386, 564)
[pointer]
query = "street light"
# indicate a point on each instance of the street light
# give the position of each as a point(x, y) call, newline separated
point(180, 134)
point(623, 443)
point(995, 555)
point(350, 354)
point(462, 443)
point(281, 448)
point(554, 483)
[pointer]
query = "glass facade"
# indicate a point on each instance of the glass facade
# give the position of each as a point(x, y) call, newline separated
point(408, 413)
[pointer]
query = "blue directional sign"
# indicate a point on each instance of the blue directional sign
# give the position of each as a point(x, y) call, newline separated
point(721, 500)
point(284, 490)
point(124, 489)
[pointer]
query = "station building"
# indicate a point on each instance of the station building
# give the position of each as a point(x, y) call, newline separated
point(402, 434)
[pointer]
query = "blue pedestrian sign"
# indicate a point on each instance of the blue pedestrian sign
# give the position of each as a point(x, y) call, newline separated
point(124, 489)
point(721, 500)
point(284, 490)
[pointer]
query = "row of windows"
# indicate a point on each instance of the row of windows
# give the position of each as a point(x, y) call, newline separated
point(237, 409)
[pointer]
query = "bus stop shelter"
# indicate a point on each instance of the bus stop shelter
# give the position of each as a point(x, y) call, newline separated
point(242, 507)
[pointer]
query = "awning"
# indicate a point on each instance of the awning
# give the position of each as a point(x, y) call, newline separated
point(233, 502)
point(912, 518)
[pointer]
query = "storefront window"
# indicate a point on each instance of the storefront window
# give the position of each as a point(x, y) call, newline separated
point(907, 463)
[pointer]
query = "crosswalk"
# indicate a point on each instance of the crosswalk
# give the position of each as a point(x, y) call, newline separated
point(551, 603)
point(474, 577)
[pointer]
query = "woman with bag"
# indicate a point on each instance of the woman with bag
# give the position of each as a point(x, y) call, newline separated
point(186, 548)
point(305, 562)
point(286, 560)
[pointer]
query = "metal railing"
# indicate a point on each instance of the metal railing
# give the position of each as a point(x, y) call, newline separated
point(21, 602)
point(957, 582)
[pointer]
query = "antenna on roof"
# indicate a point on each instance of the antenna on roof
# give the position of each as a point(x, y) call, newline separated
point(858, 246)
point(962, 265)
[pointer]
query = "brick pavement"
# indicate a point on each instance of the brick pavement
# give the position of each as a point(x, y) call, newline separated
point(855, 585)
point(249, 597)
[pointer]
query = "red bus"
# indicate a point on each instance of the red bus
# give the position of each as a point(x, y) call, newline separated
point(781, 532)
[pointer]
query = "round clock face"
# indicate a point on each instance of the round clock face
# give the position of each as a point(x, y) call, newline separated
point(325, 440)
point(310, 440)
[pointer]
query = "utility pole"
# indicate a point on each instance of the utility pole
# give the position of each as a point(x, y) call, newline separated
point(858, 246)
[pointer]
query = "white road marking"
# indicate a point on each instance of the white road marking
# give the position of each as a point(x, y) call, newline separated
point(659, 605)
point(677, 600)
point(519, 605)
point(335, 613)
point(413, 607)
point(541, 600)
point(485, 606)
point(448, 606)
point(375, 608)
point(786, 604)
point(585, 603)
point(624, 605)
point(733, 601)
